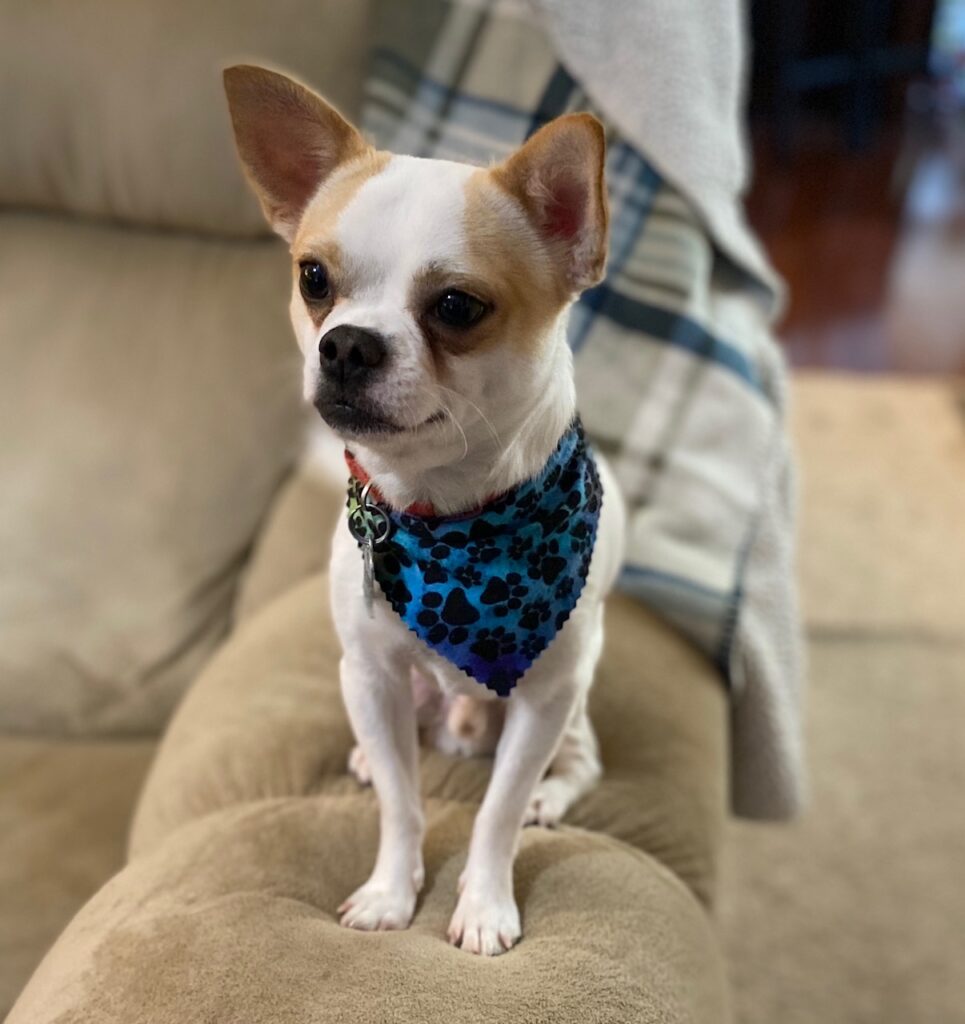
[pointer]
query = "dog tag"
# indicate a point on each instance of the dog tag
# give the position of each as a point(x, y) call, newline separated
point(370, 525)
point(368, 578)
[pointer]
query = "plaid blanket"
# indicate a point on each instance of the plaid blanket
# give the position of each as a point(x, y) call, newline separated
point(678, 381)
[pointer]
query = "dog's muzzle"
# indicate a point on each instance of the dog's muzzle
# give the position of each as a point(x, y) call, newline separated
point(350, 359)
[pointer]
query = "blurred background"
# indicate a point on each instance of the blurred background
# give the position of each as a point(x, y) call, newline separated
point(857, 127)
point(859, 191)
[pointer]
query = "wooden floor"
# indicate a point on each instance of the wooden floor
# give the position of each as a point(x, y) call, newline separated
point(872, 247)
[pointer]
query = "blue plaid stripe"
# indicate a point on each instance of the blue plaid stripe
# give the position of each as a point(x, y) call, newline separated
point(671, 328)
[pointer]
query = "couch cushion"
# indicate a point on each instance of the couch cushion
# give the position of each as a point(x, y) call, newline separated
point(64, 814)
point(115, 109)
point(148, 408)
point(233, 917)
point(266, 719)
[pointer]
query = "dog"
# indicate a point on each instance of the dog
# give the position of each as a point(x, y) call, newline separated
point(430, 300)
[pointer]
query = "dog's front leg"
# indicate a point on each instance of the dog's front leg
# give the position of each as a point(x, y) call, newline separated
point(380, 707)
point(486, 919)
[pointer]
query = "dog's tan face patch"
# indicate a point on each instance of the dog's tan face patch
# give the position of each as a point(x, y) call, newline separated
point(434, 285)
point(534, 235)
point(504, 268)
point(505, 253)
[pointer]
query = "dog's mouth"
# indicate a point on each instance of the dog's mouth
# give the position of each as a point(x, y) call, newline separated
point(351, 418)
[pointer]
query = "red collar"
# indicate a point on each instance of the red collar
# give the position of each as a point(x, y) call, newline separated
point(419, 508)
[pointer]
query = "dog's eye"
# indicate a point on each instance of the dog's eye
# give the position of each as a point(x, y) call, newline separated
point(459, 309)
point(313, 281)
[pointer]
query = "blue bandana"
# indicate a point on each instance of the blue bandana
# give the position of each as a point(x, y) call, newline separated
point(489, 590)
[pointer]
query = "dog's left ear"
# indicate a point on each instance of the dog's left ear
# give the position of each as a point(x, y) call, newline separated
point(558, 176)
point(289, 140)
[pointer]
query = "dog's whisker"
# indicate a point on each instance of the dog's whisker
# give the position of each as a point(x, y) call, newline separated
point(458, 426)
point(485, 419)
point(450, 417)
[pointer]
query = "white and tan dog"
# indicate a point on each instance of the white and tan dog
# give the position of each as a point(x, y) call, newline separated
point(430, 301)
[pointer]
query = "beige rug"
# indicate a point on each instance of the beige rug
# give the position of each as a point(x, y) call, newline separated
point(857, 912)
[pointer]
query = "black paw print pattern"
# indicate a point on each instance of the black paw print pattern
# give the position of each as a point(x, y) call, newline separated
point(547, 561)
point(535, 613)
point(468, 575)
point(490, 644)
point(490, 590)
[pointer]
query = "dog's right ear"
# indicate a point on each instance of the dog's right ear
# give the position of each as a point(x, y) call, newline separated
point(289, 140)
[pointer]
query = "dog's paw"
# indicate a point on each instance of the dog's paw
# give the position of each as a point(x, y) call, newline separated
point(485, 925)
point(358, 765)
point(372, 909)
point(550, 801)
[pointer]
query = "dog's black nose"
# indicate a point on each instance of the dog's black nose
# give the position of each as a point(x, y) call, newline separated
point(348, 354)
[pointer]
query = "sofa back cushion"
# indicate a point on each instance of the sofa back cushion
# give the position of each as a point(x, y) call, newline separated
point(149, 408)
point(115, 109)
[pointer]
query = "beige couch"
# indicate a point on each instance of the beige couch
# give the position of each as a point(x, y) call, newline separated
point(154, 537)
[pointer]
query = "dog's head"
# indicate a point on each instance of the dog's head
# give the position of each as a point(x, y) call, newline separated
point(427, 294)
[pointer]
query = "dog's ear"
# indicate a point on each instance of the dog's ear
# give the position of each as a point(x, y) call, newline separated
point(289, 140)
point(558, 176)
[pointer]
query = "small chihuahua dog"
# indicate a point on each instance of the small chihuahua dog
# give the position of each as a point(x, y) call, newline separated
point(430, 300)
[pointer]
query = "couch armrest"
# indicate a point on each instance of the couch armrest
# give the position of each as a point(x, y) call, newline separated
point(65, 808)
point(233, 917)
